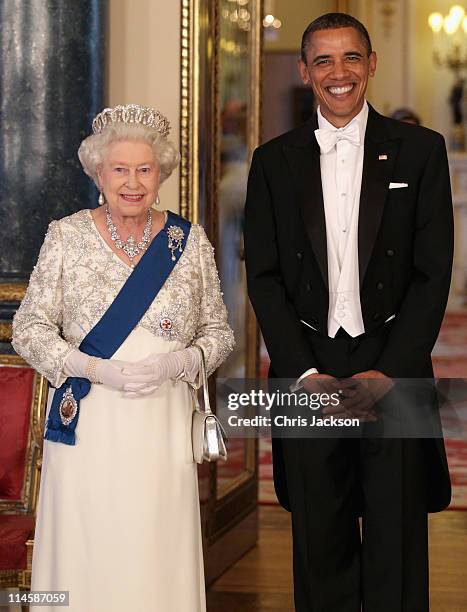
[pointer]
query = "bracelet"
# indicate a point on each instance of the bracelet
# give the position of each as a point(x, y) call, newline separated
point(91, 373)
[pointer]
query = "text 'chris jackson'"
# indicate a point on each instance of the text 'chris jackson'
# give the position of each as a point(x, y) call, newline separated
point(235, 420)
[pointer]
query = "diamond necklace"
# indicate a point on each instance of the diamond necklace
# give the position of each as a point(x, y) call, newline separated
point(130, 247)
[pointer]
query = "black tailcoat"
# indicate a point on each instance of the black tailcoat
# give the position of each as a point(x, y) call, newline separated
point(405, 247)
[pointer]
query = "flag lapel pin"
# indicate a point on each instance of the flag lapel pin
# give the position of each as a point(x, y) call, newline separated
point(382, 157)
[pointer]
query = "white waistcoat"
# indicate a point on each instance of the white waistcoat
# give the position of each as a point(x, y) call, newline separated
point(341, 177)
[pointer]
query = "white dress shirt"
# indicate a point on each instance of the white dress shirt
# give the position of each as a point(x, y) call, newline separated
point(341, 161)
point(341, 178)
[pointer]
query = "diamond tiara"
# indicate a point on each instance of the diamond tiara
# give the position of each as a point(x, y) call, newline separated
point(131, 113)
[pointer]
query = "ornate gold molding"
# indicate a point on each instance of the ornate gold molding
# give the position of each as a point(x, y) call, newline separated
point(12, 292)
point(36, 434)
point(200, 139)
point(189, 165)
point(255, 119)
point(9, 578)
point(30, 490)
point(5, 331)
point(199, 146)
point(12, 360)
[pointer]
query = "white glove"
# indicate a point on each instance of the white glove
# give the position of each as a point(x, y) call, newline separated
point(109, 372)
point(161, 367)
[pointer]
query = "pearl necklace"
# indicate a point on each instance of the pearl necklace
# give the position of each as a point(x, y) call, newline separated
point(130, 247)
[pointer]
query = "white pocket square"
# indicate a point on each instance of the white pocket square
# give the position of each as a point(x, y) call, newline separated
point(397, 185)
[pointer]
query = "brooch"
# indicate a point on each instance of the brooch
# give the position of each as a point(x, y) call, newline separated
point(68, 407)
point(166, 323)
point(176, 235)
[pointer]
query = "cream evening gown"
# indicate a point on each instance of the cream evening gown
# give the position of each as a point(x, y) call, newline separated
point(118, 522)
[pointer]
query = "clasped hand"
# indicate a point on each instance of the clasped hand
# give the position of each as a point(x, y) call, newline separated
point(145, 376)
point(134, 379)
point(357, 394)
point(155, 369)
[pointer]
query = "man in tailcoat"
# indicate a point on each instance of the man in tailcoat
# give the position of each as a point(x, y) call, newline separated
point(349, 243)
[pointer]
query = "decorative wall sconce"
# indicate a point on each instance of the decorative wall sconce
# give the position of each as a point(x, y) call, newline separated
point(451, 30)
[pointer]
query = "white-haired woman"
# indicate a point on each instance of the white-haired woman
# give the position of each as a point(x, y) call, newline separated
point(121, 302)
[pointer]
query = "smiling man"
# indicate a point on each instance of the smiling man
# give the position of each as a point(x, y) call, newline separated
point(337, 68)
point(349, 241)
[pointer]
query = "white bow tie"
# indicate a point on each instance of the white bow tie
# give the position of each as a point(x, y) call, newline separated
point(328, 138)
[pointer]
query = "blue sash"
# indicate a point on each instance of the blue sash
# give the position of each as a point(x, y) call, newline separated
point(122, 316)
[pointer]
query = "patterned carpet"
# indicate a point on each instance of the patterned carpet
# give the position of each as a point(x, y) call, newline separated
point(450, 361)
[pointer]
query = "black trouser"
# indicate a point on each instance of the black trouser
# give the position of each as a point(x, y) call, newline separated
point(330, 483)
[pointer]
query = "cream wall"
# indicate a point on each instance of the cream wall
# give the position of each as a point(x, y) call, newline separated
point(295, 16)
point(407, 74)
point(431, 85)
point(389, 89)
point(144, 65)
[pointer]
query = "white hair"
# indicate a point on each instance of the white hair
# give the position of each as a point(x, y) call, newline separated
point(93, 149)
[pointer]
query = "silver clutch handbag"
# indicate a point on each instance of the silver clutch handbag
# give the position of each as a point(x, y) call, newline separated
point(207, 434)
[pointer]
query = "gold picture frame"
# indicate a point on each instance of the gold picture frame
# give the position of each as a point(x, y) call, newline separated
point(203, 42)
point(200, 41)
point(229, 498)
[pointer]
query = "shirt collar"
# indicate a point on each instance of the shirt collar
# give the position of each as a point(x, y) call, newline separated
point(360, 119)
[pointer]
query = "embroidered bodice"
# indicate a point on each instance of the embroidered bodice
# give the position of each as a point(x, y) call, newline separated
point(77, 277)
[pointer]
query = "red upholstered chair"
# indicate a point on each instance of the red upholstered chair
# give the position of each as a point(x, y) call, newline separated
point(23, 398)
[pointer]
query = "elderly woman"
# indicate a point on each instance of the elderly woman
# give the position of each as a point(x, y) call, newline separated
point(121, 302)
